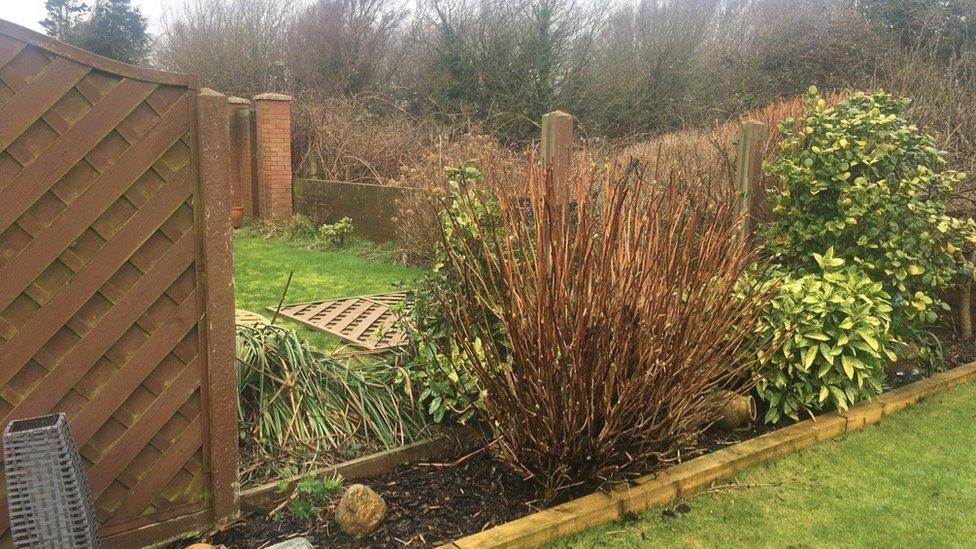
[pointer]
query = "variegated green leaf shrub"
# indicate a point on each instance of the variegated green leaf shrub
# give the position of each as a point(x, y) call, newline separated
point(834, 325)
point(448, 390)
point(861, 179)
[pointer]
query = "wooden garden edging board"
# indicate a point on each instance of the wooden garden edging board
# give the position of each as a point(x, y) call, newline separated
point(459, 440)
point(686, 478)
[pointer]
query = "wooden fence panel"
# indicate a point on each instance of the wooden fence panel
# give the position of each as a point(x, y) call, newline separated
point(114, 280)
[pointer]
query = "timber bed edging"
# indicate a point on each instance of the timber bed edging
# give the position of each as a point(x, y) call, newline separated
point(691, 476)
point(440, 446)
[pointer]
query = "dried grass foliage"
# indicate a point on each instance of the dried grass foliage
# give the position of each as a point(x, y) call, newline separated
point(620, 319)
point(362, 139)
point(417, 225)
point(708, 155)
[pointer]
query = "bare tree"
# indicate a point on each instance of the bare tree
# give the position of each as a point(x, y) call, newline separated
point(235, 46)
point(343, 47)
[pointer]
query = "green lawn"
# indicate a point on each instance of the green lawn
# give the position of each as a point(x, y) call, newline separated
point(908, 482)
point(261, 268)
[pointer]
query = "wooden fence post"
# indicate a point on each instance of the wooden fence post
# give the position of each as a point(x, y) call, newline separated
point(966, 307)
point(220, 381)
point(557, 152)
point(748, 175)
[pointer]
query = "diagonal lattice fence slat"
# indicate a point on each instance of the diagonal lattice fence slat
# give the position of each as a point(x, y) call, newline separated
point(365, 321)
point(111, 223)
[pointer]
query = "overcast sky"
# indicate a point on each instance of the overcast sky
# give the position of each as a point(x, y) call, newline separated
point(28, 13)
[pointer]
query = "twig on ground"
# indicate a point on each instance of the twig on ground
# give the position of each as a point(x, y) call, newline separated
point(461, 459)
point(740, 486)
point(282, 300)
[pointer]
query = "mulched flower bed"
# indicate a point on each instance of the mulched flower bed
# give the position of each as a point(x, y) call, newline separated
point(430, 504)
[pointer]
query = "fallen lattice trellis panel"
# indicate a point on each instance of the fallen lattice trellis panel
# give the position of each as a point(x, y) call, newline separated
point(366, 321)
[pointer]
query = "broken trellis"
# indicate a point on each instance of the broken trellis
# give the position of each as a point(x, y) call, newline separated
point(367, 321)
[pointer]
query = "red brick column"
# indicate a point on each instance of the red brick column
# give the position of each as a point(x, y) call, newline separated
point(273, 123)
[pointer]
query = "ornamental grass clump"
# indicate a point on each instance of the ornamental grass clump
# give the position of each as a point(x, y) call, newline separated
point(299, 409)
point(619, 320)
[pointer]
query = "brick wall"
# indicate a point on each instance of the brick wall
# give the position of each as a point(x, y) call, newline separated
point(273, 128)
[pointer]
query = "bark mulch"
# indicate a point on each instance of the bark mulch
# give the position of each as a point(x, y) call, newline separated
point(427, 505)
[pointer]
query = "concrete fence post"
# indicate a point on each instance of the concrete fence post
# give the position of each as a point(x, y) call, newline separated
point(272, 113)
point(220, 381)
point(748, 176)
point(241, 159)
point(557, 152)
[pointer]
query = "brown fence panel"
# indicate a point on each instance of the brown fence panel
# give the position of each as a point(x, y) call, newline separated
point(115, 280)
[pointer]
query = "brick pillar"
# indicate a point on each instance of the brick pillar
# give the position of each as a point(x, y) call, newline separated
point(273, 125)
point(242, 160)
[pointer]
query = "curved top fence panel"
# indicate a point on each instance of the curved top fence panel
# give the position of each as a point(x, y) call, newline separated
point(116, 298)
point(16, 33)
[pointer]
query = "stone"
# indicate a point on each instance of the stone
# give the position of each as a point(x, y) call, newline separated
point(360, 510)
point(293, 543)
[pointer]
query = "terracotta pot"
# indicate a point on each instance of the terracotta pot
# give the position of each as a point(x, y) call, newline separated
point(737, 411)
point(236, 215)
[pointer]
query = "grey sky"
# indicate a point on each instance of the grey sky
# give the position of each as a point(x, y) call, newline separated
point(28, 13)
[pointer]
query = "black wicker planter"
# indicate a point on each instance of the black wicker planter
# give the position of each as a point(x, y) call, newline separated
point(47, 494)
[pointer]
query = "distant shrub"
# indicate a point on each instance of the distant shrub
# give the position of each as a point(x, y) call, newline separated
point(859, 178)
point(300, 227)
point(426, 181)
point(834, 327)
point(336, 233)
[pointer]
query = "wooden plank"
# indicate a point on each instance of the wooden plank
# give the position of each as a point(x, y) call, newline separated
point(748, 177)
point(138, 436)
point(322, 322)
point(9, 49)
point(155, 480)
point(39, 95)
point(103, 335)
point(356, 318)
point(96, 61)
point(458, 440)
point(58, 159)
point(56, 312)
point(74, 220)
point(361, 307)
point(310, 313)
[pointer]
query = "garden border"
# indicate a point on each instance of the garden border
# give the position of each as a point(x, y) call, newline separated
point(450, 443)
point(686, 478)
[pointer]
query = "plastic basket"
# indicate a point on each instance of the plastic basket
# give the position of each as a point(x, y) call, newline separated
point(48, 496)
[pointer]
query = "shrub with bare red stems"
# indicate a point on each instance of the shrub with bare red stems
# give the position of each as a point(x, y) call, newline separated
point(620, 318)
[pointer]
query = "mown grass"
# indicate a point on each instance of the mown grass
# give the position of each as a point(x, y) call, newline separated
point(907, 482)
point(261, 268)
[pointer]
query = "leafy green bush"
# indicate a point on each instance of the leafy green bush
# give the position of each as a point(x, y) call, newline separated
point(300, 227)
point(337, 232)
point(834, 325)
point(859, 178)
point(310, 496)
point(449, 389)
